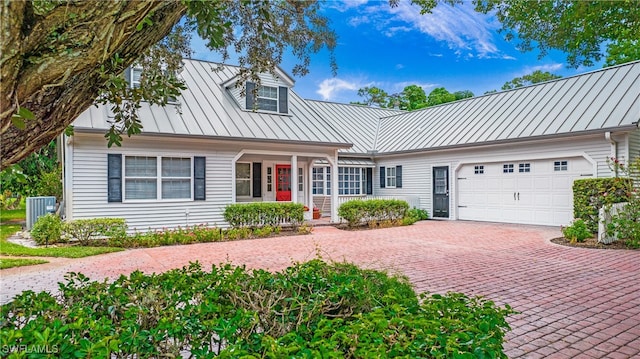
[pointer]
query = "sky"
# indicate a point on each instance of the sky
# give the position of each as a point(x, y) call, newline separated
point(390, 48)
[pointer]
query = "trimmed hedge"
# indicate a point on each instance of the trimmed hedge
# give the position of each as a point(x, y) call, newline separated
point(48, 230)
point(96, 230)
point(309, 310)
point(374, 212)
point(591, 194)
point(259, 214)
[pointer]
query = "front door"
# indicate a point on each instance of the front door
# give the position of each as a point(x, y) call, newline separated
point(441, 192)
point(283, 182)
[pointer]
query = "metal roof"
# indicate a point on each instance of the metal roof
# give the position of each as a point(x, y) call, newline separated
point(357, 123)
point(595, 101)
point(206, 108)
point(353, 162)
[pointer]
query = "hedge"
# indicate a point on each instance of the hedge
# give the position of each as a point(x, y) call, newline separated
point(309, 310)
point(259, 214)
point(373, 211)
point(591, 194)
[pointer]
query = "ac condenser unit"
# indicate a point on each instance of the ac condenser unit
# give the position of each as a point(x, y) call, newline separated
point(38, 207)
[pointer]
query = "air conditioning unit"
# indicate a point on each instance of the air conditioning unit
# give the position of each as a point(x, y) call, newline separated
point(38, 207)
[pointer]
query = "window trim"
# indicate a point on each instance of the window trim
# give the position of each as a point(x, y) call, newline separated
point(561, 166)
point(158, 178)
point(249, 179)
point(362, 180)
point(388, 177)
point(276, 99)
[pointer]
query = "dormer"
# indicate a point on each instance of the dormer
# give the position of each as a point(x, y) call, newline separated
point(272, 95)
point(132, 75)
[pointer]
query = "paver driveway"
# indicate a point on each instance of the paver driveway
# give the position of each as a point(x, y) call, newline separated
point(573, 302)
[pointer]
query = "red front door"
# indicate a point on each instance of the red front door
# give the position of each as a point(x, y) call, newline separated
point(283, 182)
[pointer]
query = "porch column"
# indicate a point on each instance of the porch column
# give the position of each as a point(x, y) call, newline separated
point(309, 188)
point(294, 178)
point(334, 188)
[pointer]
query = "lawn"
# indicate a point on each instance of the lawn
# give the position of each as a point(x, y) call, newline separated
point(19, 262)
point(9, 227)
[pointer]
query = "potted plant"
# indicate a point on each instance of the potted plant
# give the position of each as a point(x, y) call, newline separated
point(316, 213)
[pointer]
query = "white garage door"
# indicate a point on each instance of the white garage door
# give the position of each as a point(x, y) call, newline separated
point(530, 192)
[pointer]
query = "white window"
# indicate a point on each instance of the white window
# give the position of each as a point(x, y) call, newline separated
point(479, 169)
point(144, 175)
point(134, 76)
point(560, 166)
point(524, 167)
point(391, 177)
point(267, 98)
point(350, 181)
point(269, 180)
point(507, 168)
point(321, 181)
point(243, 179)
point(300, 180)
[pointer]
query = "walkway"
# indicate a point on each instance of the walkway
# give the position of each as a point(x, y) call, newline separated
point(573, 303)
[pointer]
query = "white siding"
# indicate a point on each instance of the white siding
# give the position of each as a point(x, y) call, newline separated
point(89, 184)
point(634, 144)
point(417, 168)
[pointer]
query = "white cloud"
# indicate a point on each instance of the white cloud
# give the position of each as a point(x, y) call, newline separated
point(343, 6)
point(399, 66)
point(329, 88)
point(392, 31)
point(358, 20)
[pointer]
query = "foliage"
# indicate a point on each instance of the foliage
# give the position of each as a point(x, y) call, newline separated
point(47, 230)
point(258, 214)
point(37, 175)
point(533, 78)
point(312, 309)
point(577, 231)
point(9, 202)
point(373, 212)
point(414, 215)
point(439, 96)
point(48, 59)
point(581, 29)
point(373, 96)
point(19, 262)
point(411, 98)
point(50, 184)
point(626, 223)
point(97, 230)
point(591, 194)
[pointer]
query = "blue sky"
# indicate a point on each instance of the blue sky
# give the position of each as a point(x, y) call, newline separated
point(454, 47)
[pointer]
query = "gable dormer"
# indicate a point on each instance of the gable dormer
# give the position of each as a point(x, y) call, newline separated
point(271, 96)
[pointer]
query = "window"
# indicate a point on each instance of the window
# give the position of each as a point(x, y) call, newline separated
point(524, 167)
point(267, 98)
point(391, 177)
point(321, 181)
point(478, 169)
point(133, 75)
point(560, 166)
point(508, 168)
point(269, 180)
point(300, 180)
point(141, 180)
point(350, 180)
point(243, 179)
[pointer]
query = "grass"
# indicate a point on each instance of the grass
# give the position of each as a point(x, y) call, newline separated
point(19, 262)
point(12, 249)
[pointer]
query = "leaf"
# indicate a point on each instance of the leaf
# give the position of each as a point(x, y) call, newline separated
point(26, 114)
point(18, 122)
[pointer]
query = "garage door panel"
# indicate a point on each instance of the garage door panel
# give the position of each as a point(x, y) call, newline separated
point(545, 194)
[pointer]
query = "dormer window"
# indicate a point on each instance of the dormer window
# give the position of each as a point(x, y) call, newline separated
point(132, 75)
point(268, 99)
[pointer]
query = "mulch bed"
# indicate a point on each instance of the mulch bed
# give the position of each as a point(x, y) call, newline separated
point(591, 243)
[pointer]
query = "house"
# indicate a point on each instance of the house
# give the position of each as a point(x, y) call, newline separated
point(506, 157)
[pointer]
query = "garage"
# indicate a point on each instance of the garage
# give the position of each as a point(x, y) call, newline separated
point(527, 192)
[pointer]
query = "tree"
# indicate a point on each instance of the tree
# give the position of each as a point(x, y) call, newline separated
point(586, 31)
point(463, 94)
point(58, 57)
point(530, 79)
point(439, 96)
point(373, 96)
point(415, 97)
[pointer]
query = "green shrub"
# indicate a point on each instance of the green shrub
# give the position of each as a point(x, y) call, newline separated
point(50, 184)
point(591, 194)
point(373, 212)
point(625, 224)
point(47, 230)
point(96, 230)
point(259, 214)
point(577, 232)
point(414, 215)
point(309, 310)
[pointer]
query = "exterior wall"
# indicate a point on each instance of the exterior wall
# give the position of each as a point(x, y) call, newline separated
point(417, 168)
point(634, 144)
point(86, 185)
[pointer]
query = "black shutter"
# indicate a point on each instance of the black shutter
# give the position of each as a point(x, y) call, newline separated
point(250, 96)
point(398, 176)
point(383, 177)
point(369, 184)
point(114, 177)
point(257, 179)
point(199, 178)
point(283, 101)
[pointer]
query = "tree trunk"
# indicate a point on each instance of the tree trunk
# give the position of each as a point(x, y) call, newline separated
point(50, 64)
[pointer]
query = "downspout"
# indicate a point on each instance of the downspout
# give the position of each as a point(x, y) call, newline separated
point(614, 149)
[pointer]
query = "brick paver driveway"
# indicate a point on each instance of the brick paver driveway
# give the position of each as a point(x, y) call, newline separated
point(572, 302)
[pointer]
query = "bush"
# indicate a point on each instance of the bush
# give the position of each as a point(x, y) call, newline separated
point(577, 232)
point(97, 230)
point(626, 223)
point(47, 230)
point(373, 212)
point(591, 194)
point(414, 215)
point(259, 214)
point(50, 184)
point(309, 310)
